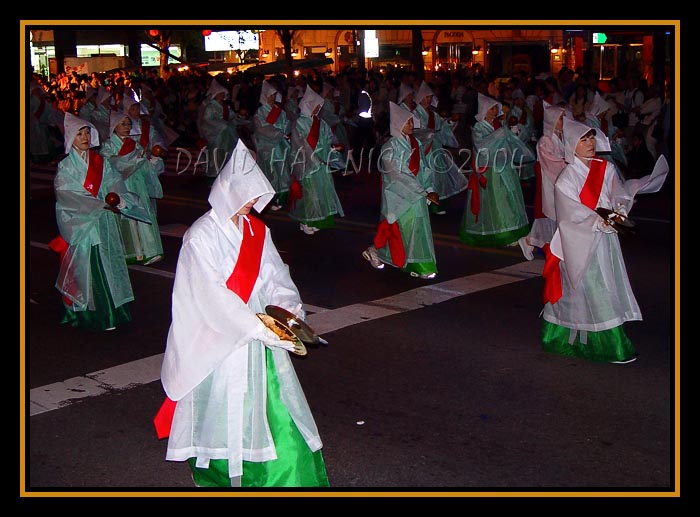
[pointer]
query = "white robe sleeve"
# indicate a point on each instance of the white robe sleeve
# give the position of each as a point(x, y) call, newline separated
point(209, 321)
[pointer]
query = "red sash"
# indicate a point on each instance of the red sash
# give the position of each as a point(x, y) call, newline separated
point(145, 133)
point(274, 114)
point(93, 178)
point(314, 132)
point(594, 183)
point(414, 160)
point(496, 123)
point(391, 233)
point(295, 192)
point(128, 145)
point(60, 246)
point(589, 196)
point(552, 276)
point(477, 181)
point(431, 119)
point(241, 282)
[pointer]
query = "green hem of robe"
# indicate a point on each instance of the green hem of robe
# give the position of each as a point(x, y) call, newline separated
point(295, 466)
point(603, 346)
point(493, 239)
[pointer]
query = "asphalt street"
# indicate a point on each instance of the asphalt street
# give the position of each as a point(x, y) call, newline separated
point(433, 387)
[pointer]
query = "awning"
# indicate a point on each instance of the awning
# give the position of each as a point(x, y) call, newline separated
point(280, 67)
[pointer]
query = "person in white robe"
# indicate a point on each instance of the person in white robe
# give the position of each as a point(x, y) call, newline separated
point(550, 162)
point(271, 135)
point(93, 278)
point(404, 236)
point(436, 135)
point(587, 293)
point(235, 409)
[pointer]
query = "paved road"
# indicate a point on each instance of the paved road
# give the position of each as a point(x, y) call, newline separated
point(426, 385)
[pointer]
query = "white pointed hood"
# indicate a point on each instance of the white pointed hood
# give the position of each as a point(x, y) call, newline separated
point(309, 101)
point(128, 101)
point(216, 88)
point(423, 91)
point(265, 91)
point(102, 94)
point(71, 126)
point(240, 181)
point(573, 131)
point(404, 91)
point(550, 117)
point(485, 102)
point(398, 116)
point(115, 117)
point(598, 106)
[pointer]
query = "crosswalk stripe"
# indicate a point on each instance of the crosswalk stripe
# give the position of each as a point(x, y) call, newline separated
point(143, 371)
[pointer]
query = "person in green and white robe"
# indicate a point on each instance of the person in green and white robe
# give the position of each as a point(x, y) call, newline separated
point(216, 123)
point(93, 277)
point(240, 416)
point(448, 179)
point(313, 199)
point(494, 214)
point(271, 135)
point(142, 241)
point(587, 291)
point(404, 236)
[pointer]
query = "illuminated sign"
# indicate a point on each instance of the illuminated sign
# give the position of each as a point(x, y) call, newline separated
point(600, 37)
point(231, 40)
point(371, 44)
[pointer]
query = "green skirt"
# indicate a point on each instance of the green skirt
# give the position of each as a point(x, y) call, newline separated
point(323, 224)
point(604, 346)
point(493, 239)
point(295, 466)
point(105, 315)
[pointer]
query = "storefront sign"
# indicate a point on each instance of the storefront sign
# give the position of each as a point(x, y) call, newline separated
point(452, 36)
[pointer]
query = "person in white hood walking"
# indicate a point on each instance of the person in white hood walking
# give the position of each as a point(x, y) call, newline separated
point(587, 293)
point(235, 409)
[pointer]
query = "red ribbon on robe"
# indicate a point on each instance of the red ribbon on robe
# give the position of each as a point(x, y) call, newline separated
point(604, 126)
point(477, 181)
point(391, 233)
point(552, 276)
point(274, 114)
point(128, 145)
point(589, 196)
point(496, 123)
point(538, 213)
point(295, 192)
point(314, 132)
point(145, 133)
point(60, 246)
point(594, 183)
point(414, 160)
point(241, 281)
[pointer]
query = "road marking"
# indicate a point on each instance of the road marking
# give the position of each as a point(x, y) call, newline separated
point(147, 370)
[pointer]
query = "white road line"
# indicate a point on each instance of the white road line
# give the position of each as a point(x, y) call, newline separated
point(144, 371)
